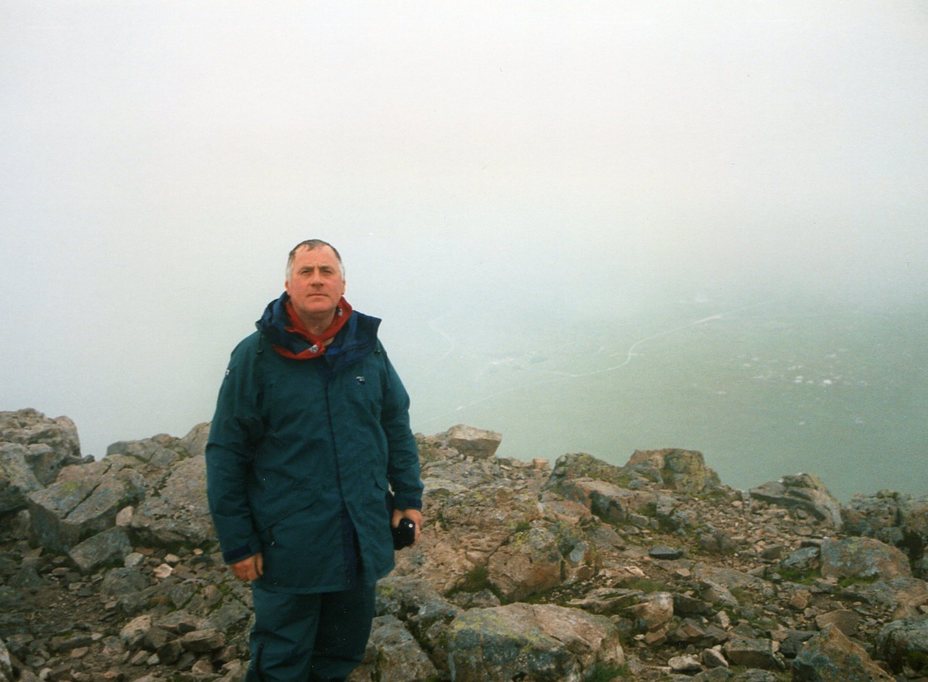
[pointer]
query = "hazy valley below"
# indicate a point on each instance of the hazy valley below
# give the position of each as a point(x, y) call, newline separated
point(763, 388)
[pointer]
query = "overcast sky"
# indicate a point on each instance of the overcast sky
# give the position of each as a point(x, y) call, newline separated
point(159, 159)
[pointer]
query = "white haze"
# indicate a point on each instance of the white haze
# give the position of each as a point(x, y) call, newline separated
point(493, 168)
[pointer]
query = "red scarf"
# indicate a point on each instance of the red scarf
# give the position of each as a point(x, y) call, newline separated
point(317, 342)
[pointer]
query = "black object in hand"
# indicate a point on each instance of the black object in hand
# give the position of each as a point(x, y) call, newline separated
point(404, 534)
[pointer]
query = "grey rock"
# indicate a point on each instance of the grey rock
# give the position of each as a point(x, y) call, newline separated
point(541, 642)
point(904, 644)
point(472, 442)
point(654, 611)
point(203, 641)
point(398, 655)
point(665, 553)
point(6, 664)
point(753, 653)
point(684, 665)
point(830, 656)
point(682, 470)
point(17, 478)
point(175, 514)
point(108, 548)
point(861, 557)
point(52, 443)
point(528, 564)
point(804, 492)
point(84, 500)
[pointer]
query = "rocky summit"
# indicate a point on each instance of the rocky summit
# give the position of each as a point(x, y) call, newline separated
point(580, 571)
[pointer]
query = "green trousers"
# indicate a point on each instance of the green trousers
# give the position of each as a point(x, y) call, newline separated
point(309, 637)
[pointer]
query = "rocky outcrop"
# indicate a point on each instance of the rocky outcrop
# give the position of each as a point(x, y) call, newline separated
point(804, 493)
point(893, 518)
point(539, 642)
point(33, 449)
point(585, 570)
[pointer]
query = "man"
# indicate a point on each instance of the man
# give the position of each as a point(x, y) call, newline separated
point(309, 442)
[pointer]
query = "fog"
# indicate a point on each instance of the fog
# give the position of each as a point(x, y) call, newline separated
point(549, 187)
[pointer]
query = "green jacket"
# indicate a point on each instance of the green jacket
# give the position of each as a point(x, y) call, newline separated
point(295, 445)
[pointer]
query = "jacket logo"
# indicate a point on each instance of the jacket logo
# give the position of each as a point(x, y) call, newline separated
point(360, 379)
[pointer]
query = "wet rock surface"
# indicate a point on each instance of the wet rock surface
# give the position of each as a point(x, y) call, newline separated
point(578, 571)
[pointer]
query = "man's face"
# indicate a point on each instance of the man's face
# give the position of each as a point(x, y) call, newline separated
point(315, 284)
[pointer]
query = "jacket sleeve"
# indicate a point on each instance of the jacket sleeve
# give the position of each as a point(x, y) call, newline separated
point(234, 432)
point(403, 462)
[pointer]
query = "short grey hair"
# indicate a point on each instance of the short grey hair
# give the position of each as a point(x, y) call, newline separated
point(311, 244)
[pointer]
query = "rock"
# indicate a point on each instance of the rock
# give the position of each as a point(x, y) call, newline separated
point(682, 470)
point(902, 597)
point(654, 612)
point(51, 444)
point(904, 644)
point(862, 558)
point(133, 633)
point(472, 442)
point(528, 564)
point(893, 518)
point(713, 658)
point(608, 501)
point(582, 465)
point(397, 653)
point(830, 656)
point(684, 665)
point(175, 513)
point(17, 478)
point(108, 548)
point(195, 440)
point(752, 653)
point(203, 641)
point(539, 642)
point(6, 664)
point(665, 553)
point(846, 620)
point(84, 500)
point(804, 492)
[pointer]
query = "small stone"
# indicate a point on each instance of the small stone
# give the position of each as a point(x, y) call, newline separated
point(665, 553)
point(684, 664)
point(162, 571)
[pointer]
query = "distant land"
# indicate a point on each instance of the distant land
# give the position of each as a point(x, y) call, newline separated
point(763, 388)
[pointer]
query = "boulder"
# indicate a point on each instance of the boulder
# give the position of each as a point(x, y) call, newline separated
point(904, 644)
point(654, 612)
point(537, 642)
point(681, 470)
point(606, 500)
point(893, 518)
point(108, 548)
point(471, 442)
point(863, 558)
point(6, 664)
point(528, 564)
point(830, 656)
point(51, 443)
point(175, 513)
point(82, 502)
point(582, 465)
point(903, 597)
point(803, 492)
point(752, 653)
point(394, 654)
point(17, 478)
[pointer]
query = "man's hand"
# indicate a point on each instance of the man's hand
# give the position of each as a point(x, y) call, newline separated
point(249, 569)
point(413, 515)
